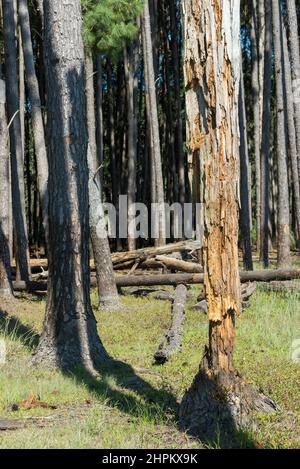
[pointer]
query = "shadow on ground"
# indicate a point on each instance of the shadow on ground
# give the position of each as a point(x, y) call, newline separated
point(160, 405)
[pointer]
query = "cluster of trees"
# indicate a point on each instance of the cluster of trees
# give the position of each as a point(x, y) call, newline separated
point(150, 101)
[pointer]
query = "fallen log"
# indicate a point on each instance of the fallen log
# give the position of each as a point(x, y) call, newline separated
point(173, 279)
point(145, 253)
point(177, 264)
point(173, 338)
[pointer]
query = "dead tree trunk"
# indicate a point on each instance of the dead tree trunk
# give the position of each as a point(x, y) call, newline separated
point(214, 27)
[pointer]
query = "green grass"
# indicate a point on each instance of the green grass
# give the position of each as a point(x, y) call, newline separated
point(134, 404)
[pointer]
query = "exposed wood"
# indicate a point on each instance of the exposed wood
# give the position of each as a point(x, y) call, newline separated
point(179, 265)
point(173, 338)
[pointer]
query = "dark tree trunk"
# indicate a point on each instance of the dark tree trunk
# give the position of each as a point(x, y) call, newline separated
point(69, 336)
point(282, 146)
point(17, 157)
point(36, 110)
point(266, 138)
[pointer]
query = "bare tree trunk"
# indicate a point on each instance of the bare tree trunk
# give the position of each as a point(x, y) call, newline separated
point(5, 274)
point(266, 138)
point(36, 111)
point(214, 27)
point(283, 258)
point(69, 336)
point(153, 114)
point(99, 132)
point(17, 158)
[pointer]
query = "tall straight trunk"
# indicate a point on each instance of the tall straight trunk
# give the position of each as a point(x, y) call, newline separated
point(266, 138)
point(112, 135)
point(99, 130)
point(254, 37)
point(36, 111)
point(21, 89)
point(245, 177)
point(17, 158)
point(291, 129)
point(130, 77)
point(69, 336)
point(178, 103)
point(295, 61)
point(283, 255)
point(5, 274)
point(107, 290)
point(153, 115)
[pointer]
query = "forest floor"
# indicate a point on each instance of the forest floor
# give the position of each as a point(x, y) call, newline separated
point(134, 404)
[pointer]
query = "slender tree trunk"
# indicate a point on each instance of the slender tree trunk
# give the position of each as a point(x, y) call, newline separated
point(254, 36)
point(283, 258)
point(36, 111)
point(295, 61)
point(17, 158)
point(291, 130)
point(69, 336)
point(245, 170)
point(266, 138)
point(153, 114)
point(99, 132)
point(21, 89)
point(107, 290)
point(130, 71)
point(5, 274)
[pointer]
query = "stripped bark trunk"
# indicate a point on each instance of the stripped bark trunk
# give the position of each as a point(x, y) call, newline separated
point(212, 64)
point(69, 336)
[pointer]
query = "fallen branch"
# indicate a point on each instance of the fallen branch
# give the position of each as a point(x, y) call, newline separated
point(173, 338)
point(181, 266)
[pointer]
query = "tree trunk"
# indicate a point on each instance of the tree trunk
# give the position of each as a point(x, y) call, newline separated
point(295, 61)
point(99, 132)
point(17, 159)
point(266, 138)
point(107, 290)
point(283, 258)
point(214, 27)
point(36, 111)
point(69, 336)
point(5, 275)
point(153, 114)
point(291, 130)
point(245, 171)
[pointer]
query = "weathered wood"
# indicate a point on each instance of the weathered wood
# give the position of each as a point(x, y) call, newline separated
point(174, 279)
point(177, 264)
point(173, 338)
point(146, 253)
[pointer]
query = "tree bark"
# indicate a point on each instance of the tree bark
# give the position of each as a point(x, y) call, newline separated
point(17, 157)
point(36, 111)
point(266, 138)
point(69, 336)
point(5, 273)
point(153, 114)
point(295, 61)
point(283, 258)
